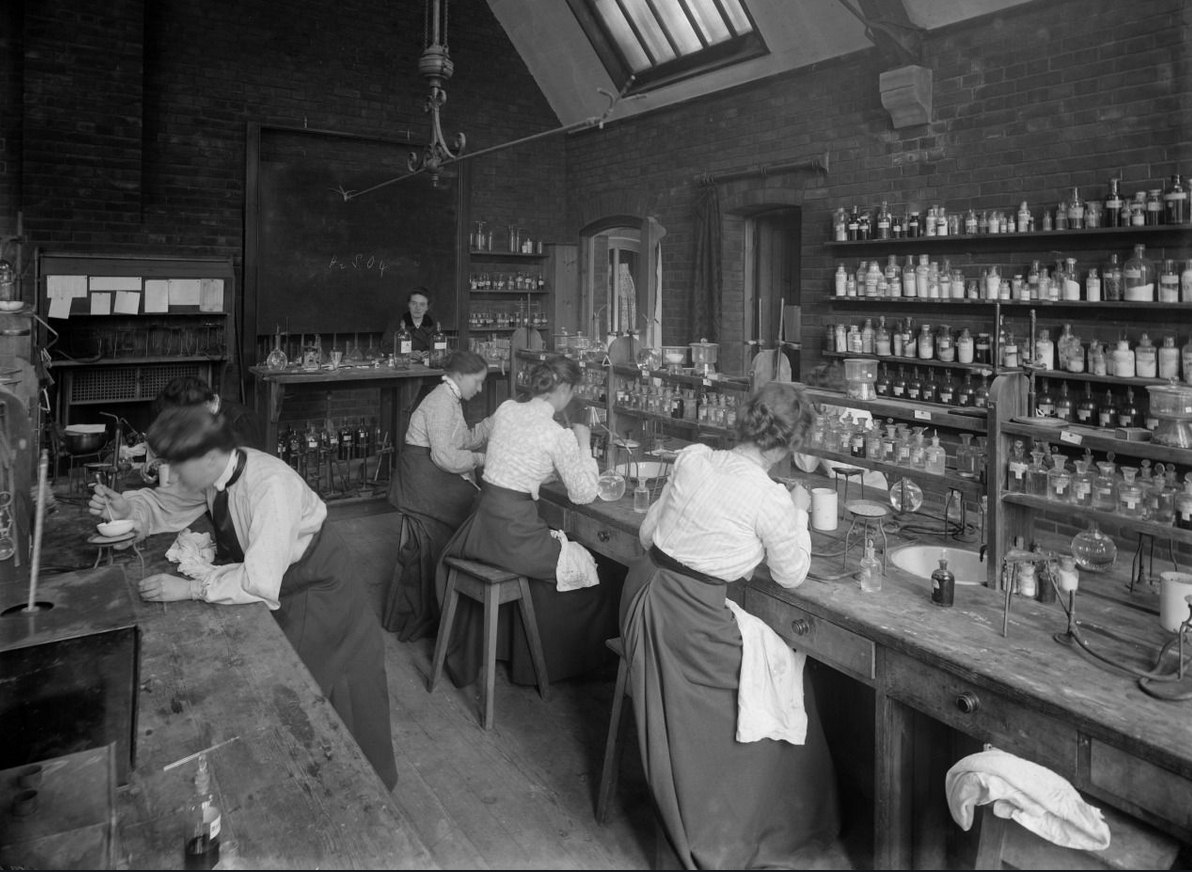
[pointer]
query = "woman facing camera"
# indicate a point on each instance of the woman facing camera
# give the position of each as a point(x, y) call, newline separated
point(273, 545)
point(526, 447)
point(725, 802)
point(435, 490)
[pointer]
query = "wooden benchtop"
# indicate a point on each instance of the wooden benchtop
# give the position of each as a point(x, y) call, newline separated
point(1027, 667)
point(295, 789)
point(297, 375)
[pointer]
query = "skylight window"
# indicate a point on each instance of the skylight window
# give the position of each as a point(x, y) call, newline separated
point(659, 42)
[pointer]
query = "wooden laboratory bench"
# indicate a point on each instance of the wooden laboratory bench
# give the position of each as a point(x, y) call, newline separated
point(1024, 693)
point(294, 787)
point(399, 392)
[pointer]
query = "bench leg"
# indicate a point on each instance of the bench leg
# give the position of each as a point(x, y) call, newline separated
point(531, 628)
point(492, 608)
point(446, 622)
point(612, 747)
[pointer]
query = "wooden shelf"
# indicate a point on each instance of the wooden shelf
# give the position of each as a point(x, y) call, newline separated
point(1159, 531)
point(136, 361)
point(701, 426)
point(1038, 240)
point(1080, 436)
point(473, 331)
point(476, 254)
point(509, 293)
point(932, 302)
point(685, 379)
point(976, 368)
point(969, 487)
point(1062, 375)
point(973, 420)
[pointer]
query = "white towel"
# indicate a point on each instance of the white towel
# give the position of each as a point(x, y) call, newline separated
point(576, 567)
point(193, 552)
point(770, 691)
point(1034, 796)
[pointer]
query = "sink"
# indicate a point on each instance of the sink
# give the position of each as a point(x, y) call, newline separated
point(922, 560)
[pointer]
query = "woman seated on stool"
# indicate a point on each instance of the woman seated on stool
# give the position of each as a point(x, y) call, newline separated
point(525, 447)
point(274, 545)
point(724, 803)
point(435, 490)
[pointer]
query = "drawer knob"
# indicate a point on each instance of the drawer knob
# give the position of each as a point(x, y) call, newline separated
point(968, 702)
point(603, 535)
point(801, 627)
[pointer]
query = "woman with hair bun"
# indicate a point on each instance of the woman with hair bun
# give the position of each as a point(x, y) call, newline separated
point(273, 546)
point(435, 490)
point(725, 803)
point(526, 448)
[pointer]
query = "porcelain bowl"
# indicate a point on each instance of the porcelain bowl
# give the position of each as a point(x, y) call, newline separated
point(922, 560)
point(112, 529)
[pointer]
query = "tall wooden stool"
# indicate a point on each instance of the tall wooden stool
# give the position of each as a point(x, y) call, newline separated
point(612, 745)
point(492, 587)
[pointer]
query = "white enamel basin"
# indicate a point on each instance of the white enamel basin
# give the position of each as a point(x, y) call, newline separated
point(922, 560)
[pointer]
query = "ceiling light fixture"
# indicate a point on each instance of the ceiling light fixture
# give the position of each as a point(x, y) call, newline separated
point(436, 67)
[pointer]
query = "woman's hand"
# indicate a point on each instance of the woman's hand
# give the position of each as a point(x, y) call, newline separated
point(800, 497)
point(165, 588)
point(106, 502)
point(583, 435)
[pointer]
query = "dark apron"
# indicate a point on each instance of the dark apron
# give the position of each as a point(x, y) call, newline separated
point(325, 614)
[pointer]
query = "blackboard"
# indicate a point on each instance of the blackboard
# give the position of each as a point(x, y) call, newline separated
point(323, 263)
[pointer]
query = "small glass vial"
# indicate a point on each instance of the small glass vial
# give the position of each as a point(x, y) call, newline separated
point(641, 498)
point(1169, 282)
point(1092, 286)
point(935, 458)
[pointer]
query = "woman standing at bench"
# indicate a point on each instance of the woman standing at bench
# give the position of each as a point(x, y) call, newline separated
point(726, 804)
point(525, 448)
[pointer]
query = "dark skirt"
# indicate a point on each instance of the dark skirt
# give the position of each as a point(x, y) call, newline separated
point(725, 804)
point(433, 504)
point(506, 531)
point(325, 613)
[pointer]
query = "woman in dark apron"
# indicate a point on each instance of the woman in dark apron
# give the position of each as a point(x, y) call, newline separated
point(435, 490)
point(725, 804)
point(525, 448)
point(273, 546)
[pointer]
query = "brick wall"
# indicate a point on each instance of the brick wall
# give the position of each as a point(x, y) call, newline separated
point(123, 130)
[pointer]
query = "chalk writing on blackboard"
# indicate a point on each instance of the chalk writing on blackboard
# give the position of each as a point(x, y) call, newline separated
point(359, 261)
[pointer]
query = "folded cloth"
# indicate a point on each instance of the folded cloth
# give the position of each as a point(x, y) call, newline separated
point(770, 687)
point(576, 567)
point(193, 552)
point(1034, 796)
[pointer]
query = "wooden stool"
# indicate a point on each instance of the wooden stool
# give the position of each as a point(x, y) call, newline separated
point(491, 587)
point(612, 745)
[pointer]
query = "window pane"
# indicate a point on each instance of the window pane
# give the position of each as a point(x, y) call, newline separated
point(650, 31)
point(737, 17)
point(710, 22)
point(676, 21)
point(626, 41)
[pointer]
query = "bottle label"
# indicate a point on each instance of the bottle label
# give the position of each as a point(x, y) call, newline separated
point(405, 346)
point(1018, 469)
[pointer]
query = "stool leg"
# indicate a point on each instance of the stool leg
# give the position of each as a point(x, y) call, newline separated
point(531, 627)
point(491, 609)
point(446, 622)
point(612, 746)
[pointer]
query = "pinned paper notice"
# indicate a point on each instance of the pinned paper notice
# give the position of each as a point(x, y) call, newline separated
point(60, 305)
point(184, 292)
point(157, 296)
point(127, 302)
point(115, 283)
point(101, 304)
point(66, 286)
point(211, 295)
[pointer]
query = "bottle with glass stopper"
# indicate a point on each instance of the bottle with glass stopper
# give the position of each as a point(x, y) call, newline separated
point(1036, 474)
point(1183, 505)
point(1082, 482)
point(201, 836)
point(1130, 499)
point(870, 574)
point(935, 457)
point(1059, 480)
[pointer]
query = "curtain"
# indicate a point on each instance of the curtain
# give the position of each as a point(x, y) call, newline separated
point(705, 284)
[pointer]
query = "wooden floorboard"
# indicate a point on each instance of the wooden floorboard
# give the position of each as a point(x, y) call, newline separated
point(519, 796)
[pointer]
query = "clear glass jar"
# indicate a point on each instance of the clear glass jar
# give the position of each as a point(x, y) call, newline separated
point(1016, 468)
point(1036, 475)
point(1093, 550)
point(966, 457)
point(1082, 483)
point(1111, 280)
point(1175, 202)
point(1130, 497)
point(1059, 480)
point(1138, 277)
point(926, 343)
point(1154, 207)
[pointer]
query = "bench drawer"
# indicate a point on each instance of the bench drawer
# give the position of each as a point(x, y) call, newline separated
point(829, 643)
point(612, 542)
point(985, 714)
point(1161, 792)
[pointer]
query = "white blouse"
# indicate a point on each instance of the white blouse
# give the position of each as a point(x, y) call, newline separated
point(526, 446)
point(721, 514)
point(438, 424)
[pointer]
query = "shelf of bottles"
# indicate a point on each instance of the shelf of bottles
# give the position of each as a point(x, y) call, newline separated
point(334, 455)
point(507, 282)
point(919, 411)
point(508, 315)
point(681, 399)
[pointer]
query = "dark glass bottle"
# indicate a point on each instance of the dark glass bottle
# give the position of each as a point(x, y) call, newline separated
point(931, 388)
point(881, 387)
point(1127, 413)
point(1086, 409)
point(1044, 401)
point(914, 387)
point(1107, 411)
point(948, 390)
point(981, 396)
point(966, 396)
point(1065, 409)
point(898, 386)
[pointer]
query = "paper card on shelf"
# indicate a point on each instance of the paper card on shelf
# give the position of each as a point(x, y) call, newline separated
point(922, 415)
point(1071, 437)
point(60, 304)
point(115, 283)
point(66, 286)
point(127, 302)
point(101, 304)
point(185, 292)
point(157, 296)
point(211, 295)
